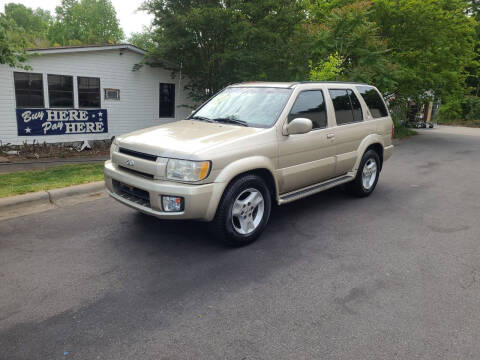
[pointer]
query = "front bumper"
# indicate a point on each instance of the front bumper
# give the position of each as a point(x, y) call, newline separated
point(200, 201)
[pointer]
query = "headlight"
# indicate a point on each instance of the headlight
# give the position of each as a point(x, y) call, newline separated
point(185, 170)
point(113, 147)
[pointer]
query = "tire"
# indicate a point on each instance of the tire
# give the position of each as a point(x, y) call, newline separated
point(363, 186)
point(238, 221)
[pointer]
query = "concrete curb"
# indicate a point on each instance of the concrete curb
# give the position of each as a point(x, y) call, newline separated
point(14, 202)
point(14, 206)
point(84, 189)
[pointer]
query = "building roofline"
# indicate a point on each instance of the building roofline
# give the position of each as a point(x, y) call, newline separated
point(84, 48)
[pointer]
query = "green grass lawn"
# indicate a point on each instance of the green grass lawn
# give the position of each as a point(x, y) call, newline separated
point(403, 132)
point(22, 182)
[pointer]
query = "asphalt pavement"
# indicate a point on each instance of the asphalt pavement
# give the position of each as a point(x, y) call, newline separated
point(392, 276)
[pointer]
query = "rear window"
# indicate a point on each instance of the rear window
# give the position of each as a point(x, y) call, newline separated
point(373, 100)
point(346, 105)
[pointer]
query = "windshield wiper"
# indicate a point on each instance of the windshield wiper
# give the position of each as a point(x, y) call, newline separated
point(231, 121)
point(201, 118)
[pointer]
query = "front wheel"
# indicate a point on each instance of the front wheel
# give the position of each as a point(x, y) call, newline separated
point(367, 175)
point(243, 211)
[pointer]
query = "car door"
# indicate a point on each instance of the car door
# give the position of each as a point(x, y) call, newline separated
point(306, 159)
point(350, 128)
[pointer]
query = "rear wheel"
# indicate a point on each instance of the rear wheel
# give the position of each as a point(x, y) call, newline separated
point(367, 175)
point(243, 211)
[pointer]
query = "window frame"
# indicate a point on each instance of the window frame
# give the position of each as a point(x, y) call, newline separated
point(359, 103)
point(105, 90)
point(382, 100)
point(15, 90)
point(160, 100)
point(324, 101)
point(99, 92)
point(351, 106)
point(73, 93)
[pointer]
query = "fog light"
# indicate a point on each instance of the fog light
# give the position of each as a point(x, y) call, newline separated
point(172, 203)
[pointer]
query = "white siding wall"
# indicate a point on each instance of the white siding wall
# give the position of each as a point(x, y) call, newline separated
point(139, 92)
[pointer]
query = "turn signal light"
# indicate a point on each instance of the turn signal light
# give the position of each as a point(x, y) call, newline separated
point(204, 168)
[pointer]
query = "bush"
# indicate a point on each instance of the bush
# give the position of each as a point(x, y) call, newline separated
point(471, 108)
point(398, 111)
point(450, 110)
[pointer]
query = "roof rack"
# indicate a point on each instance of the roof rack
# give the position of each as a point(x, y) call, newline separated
point(329, 82)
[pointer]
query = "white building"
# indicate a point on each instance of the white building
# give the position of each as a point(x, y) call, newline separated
point(86, 93)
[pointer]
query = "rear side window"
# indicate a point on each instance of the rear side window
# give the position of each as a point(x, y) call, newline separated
point(310, 105)
point(373, 100)
point(347, 106)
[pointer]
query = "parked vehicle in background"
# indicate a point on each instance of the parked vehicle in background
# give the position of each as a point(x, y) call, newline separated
point(252, 145)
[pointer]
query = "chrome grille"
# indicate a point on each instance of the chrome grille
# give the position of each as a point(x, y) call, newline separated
point(138, 154)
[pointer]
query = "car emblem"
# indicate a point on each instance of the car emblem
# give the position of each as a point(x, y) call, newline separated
point(130, 162)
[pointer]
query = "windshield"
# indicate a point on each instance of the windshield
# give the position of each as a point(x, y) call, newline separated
point(247, 106)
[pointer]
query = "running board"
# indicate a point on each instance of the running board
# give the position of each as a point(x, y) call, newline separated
point(313, 189)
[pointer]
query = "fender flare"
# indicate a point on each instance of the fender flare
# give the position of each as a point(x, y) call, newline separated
point(369, 140)
point(232, 170)
point(243, 165)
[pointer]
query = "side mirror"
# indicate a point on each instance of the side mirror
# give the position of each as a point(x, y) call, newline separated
point(299, 126)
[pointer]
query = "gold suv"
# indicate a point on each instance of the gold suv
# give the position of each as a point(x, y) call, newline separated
point(250, 145)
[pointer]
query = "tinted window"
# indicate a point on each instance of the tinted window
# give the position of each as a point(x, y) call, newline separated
point(60, 90)
point(28, 89)
point(341, 104)
point(356, 107)
point(347, 107)
point(167, 100)
point(373, 100)
point(88, 92)
point(310, 105)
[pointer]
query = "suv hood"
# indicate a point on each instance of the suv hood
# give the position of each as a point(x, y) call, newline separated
point(185, 138)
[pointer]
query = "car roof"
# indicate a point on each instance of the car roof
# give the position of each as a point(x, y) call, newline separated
point(291, 84)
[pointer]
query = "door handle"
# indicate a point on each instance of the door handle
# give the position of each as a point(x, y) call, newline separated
point(331, 136)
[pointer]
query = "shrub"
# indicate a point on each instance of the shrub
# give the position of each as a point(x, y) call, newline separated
point(471, 108)
point(450, 110)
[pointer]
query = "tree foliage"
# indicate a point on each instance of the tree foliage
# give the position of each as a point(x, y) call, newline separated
point(328, 70)
point(408, 48)
point(33, 24)
point(12, 50)
point(431, 40)
point(218, 42)
point(347, 28)
point(144, 40)
point(80, 22)
point(76, 22)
